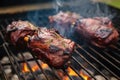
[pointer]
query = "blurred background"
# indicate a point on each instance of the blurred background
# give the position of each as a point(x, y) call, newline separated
point(11, 6)
point(5, 3)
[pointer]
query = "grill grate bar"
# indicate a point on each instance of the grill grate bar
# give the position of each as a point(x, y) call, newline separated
point(115, 50)
point(3, 72)
point(117, 54)
point(2, 27)
point(98, 62)
point(118, 44)
point(15, 62)
point(83, 67)
point(13, 65)
point(34, 76)
point(67, 74)
point(114, 47)
point(36, 60)
point(104, 58)
point(111, 57)
point(76, 72)
point(2, 36)
point(91, 64)
point(22, 61)
point(54, 71)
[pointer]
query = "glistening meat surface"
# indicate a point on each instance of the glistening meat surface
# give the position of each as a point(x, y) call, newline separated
point(64, 22)
point(51, 47)
point(46, 44)
point(98, 31)
point(17, 30)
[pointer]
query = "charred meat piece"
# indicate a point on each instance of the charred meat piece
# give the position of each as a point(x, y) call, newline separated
point(64, 22)
point(45, 43)
point(64, 17)
point(99, 31)
point(50, 47)
point(17, 30)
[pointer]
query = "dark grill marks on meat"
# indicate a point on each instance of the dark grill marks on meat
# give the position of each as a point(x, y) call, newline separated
point(16, 32)
point(45, 43)
point(51, 47)
point(103, 33)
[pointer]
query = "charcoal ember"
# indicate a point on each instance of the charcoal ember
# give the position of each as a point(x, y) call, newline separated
point(51, 47)
point(17, 30)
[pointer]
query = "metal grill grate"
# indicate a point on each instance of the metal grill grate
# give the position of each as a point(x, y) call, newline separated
point(86, 58)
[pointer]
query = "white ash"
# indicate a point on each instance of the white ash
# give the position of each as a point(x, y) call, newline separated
point(5, 60)
point(14, 77)
point(113, 78)
point(99, 77)
point(27, 55)
point(8, 71)
point(42, 77)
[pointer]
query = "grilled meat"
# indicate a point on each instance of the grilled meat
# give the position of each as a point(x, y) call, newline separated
point(45, 43)
point(17, 30)
point(64, 17)
point(64, 22)
point(50, 47)
point(98, 31)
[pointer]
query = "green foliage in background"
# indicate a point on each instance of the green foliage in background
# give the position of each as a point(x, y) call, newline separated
point(114, 3)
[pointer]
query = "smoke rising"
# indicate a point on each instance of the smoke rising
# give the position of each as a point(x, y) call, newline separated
point(85, 8)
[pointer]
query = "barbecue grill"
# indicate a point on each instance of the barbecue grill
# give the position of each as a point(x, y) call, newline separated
point(96, 63)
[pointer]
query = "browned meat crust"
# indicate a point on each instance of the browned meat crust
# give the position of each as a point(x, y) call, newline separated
point(98, 31)
point(45, 43)
point(17, 30)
